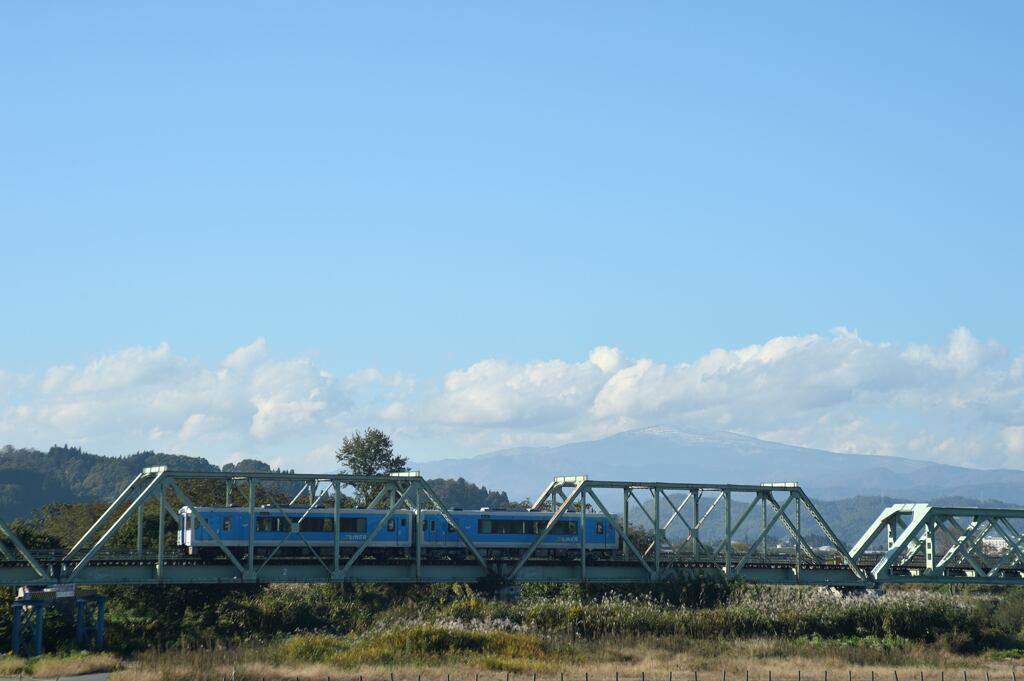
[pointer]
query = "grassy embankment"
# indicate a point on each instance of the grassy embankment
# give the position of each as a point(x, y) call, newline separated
point(552, 631)
point(53, 666)
point(284, 632)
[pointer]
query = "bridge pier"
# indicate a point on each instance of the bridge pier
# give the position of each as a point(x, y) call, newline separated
point(89, 626)
point(29, 612)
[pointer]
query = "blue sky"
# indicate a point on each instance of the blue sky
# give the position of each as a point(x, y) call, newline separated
point(413, 190)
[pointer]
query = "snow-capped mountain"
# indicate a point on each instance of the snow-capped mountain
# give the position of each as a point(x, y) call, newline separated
point(670, 454)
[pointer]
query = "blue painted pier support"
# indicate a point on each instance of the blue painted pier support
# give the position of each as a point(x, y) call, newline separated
point(28, 613)
point(89, 625)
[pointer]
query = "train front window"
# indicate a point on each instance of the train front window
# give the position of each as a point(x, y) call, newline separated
point(600, 527)
point(226, 524)
point(391, 524)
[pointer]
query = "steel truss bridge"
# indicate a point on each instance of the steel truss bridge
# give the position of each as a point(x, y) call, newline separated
point(669, 531)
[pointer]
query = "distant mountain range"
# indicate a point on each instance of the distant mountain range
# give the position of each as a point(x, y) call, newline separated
point(674, 455)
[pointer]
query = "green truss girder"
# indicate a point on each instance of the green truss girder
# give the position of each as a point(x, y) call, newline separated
point(922, 543)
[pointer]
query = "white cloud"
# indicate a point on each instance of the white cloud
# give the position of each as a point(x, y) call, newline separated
point(1013, 437)
point(194, 426)
point(837, 392)
point(120, 370)
point(608, 359)
point(961, 401)
point(246, 355)
point(538, 394)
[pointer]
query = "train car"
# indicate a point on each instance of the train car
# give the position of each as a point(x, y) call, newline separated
point(507, 533)
point(274, 530)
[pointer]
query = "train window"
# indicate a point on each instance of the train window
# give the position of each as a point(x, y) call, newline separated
point(352, 524)
point(433, 526)
point(316, 525)
point(600, 527)
point(506, 527)
point(391, 524)
point(404, 522)
point(451, 528)
point(226, 524)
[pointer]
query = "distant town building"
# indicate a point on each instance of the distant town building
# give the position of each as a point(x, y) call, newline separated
point(994, 546)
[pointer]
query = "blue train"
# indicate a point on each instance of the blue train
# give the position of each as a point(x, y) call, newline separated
point(298, 532)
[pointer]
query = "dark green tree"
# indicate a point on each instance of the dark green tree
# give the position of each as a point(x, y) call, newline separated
point(369, 453)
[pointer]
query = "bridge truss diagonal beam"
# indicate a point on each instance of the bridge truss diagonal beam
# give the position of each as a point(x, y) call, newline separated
point(956, 535)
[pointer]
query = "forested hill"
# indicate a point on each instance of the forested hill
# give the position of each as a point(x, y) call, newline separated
point(30, 478)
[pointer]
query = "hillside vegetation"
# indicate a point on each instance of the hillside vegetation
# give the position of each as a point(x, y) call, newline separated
point(31, 479)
